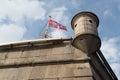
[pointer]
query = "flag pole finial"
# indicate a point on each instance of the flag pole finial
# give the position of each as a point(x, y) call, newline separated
point(49, 17)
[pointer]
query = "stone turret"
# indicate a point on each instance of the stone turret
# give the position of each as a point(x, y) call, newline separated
point(86, 37)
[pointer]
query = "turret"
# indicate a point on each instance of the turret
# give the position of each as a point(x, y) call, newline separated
point(86, 37)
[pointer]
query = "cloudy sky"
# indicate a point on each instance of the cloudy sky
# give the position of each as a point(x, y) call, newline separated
point(26, 20)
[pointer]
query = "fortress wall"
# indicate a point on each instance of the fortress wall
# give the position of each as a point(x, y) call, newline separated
point(50, 61)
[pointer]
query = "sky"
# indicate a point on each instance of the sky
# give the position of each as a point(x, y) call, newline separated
point(26, 20)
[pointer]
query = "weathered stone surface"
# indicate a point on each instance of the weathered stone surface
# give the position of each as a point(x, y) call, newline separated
point(10, 61)
point(24, 65)
point(38, 72)
point(29, 53)
point(2, 62)
point(14, 54)
point(3, 55)
point(24, 73)
point(8, 74)
point(60, 71)
point(78, 53)
point(79, 78)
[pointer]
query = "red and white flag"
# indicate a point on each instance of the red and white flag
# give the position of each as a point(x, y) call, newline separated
point(57, 25)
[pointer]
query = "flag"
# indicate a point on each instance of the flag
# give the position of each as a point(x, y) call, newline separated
point(57, 25)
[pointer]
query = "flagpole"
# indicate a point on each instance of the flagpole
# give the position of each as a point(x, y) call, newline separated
point(46, 31)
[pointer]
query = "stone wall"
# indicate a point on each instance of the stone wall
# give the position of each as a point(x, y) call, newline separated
point(48, 61)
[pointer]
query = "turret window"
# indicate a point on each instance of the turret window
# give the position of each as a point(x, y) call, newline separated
point(90, 21)
point(75, 25)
